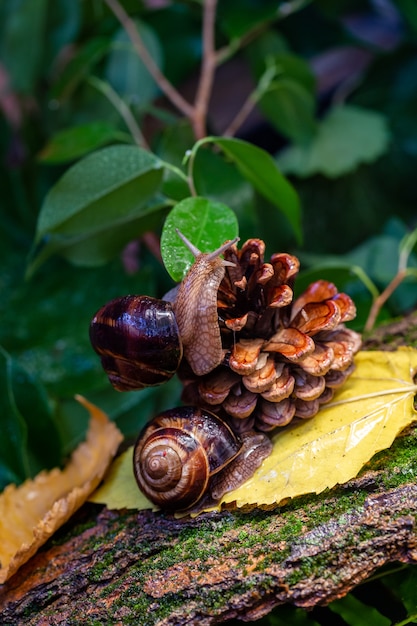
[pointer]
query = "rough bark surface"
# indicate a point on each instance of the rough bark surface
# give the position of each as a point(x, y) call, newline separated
point(107, 567)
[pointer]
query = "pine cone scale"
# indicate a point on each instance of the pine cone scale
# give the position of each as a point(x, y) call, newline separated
point(283, 356)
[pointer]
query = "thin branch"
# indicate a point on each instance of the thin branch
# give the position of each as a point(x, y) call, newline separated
point(163, 83)
point(383, 297)
point(121, 107)
point(252, 100)
point(208, 68)
point(241, 116)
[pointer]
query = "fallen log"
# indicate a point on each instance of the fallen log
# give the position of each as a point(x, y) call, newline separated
point(121, 567)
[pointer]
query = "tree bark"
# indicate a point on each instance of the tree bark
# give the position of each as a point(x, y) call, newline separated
point(122, 567)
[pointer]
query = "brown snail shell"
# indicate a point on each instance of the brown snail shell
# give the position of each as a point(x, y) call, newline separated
point(178, 452)
point(137, 340)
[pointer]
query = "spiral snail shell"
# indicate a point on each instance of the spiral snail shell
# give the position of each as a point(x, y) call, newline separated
point(177, 454)
point(141, 340)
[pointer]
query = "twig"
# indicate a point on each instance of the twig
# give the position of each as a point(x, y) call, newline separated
point(163, 83)
point(208, 68)
point(122, 108)
point(383, 297)
point(241, 116)
point(251, 101)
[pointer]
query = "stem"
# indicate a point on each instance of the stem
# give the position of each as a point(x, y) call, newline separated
point(121, 107)
point(189, 158)
point(406, 247)
point(208, 68)
point(176, 170)
point(241, 116)
point(408, 620)
point(251, 101)
point(163, 83)
point(190, 178)
point(383, 297)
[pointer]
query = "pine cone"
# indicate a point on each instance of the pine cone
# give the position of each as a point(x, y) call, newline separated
point(283, 358)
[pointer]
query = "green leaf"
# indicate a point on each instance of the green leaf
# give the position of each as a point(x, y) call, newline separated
point(100, 190)
point(287, 616)
point(63, 24)
point(218, 179)
point(290, 108)
point(259, 168)
point(22, 30)
point(291, 66)
point(73, 143)
point(49, 338)
point(269, 48)
point(347, 137)
point(356, 613)
point(207, 224)
point(288, 101)
point(79, 67)
point(173, 144)
point(101, 247)
point(237, 17)
point(126, 71)
point(404, 584)
point(29, 439)
point(43, 440)
point(409, 10)
point(14, 461)
point(179, 34)
point(106, 189)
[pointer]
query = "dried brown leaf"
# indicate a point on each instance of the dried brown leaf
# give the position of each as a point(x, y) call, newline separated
point(32, 512)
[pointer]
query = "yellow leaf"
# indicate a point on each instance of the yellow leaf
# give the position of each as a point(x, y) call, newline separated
point(365, 416)
point(120, 489)
point(32, 512)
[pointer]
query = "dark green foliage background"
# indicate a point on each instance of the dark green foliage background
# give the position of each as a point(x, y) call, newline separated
point(336, 87)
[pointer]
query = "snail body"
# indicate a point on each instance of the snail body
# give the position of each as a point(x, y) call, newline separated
point(188, 453)
point(141, 340)
point(195, 309)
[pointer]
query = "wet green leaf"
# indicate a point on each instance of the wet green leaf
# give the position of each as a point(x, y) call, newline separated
point(75, 142)
point(100, 247)
point(207, 224)
point(107, 189)
point(102, 189)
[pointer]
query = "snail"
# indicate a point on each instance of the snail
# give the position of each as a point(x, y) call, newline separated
point(141, 340)
point(188, 454)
